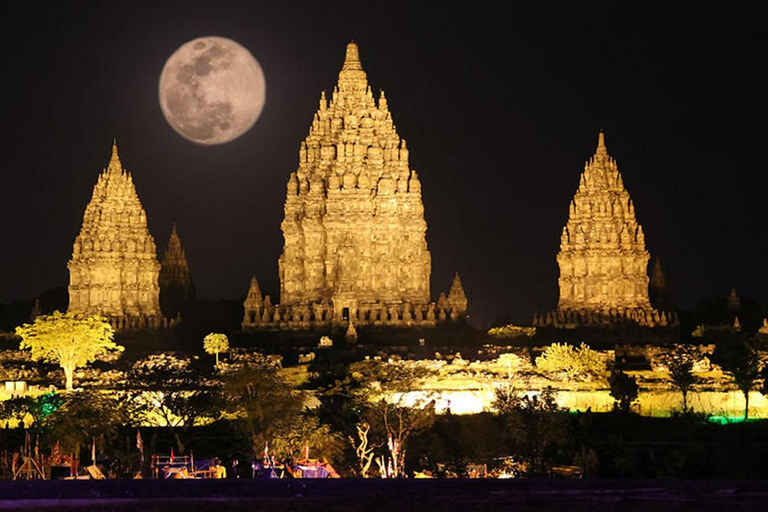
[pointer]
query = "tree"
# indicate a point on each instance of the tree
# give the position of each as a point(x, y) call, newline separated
point(261, 402)
point(372, 398)
point(364, 451)
point(21, 409)
point(381, 396)
point(173, 392)
point(87, 416)
point(742, 362)
point(71, 340)
point(574, 363)
point(535, 424)
point(214, 343)
point(623, 389)
point(680, 361)
point(293, 433)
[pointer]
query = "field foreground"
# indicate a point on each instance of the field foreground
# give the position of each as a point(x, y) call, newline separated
point(423, 495)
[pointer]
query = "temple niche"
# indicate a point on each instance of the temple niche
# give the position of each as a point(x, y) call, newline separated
point(355, 236)
point(114, 269)
point(603, 260)
point(177, 289)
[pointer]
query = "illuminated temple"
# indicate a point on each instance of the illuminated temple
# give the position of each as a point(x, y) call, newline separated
point(603, 260)
point(114, 269)
point(355, 236)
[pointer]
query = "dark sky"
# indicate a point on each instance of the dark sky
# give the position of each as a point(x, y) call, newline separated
point(500, 106)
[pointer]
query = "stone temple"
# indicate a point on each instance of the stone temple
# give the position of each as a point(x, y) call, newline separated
point(177, 289)
point(355, 236)
point(603, 260)
point(114, 269)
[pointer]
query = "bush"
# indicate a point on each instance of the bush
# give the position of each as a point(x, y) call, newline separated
point(564, 359)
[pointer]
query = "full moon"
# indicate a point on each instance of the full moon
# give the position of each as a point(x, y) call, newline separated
point(212, 90)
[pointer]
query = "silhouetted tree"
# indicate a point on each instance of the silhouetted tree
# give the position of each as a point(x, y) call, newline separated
point(173, 392)
point(623, 389)
point(680, 361)
point(742, 362)
point(536, 425)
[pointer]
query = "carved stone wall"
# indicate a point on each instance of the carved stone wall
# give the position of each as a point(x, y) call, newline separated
point(114, 269)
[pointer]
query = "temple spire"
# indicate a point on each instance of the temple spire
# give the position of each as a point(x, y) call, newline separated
point(352, 78)
point(352, 57)
point(177, 289)
point(657, 289)
point(114, 161)
point(456, 296)
point(253, 290)
point(174, 240)
point(601, 149)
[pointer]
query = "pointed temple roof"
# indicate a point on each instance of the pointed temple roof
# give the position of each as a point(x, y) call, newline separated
point(254, 297)
point(456, 296)
point(177, 288)
point(657, 276)
point(657, 289)
point(115, 210)
point(733, 301)
point(175, 265)
point(174, 253)
point(349, 128)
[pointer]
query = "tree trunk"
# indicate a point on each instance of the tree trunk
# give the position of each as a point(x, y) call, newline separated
point(685, 402)
point(217, 359)
point(69, 374)
point(746, 406)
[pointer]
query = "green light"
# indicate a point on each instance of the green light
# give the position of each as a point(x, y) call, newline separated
point(727, 420)
point(49, 403)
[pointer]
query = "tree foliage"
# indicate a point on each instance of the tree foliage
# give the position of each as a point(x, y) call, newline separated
point(85, 417)
point(29, 410)
point(623, 389)
point(292, 433)
point(260, 401)
point(174, 392)
point(215, 343)
point(680, 361)
point(564, 359)
point(511, 331)
point(70, 340)
point(536, 425)
point(742, 362)
point(373, 397)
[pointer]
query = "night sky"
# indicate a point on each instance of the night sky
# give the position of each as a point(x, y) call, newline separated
point(500, 106)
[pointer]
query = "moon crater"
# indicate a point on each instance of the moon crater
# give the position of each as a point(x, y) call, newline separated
point(212, 90)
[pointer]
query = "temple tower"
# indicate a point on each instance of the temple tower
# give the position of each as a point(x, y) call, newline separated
point(253, 305)
point(457, 299)
point(354, 225)
point(114, 268)
point(657, 289)
point(177, 289)
point(603, 261)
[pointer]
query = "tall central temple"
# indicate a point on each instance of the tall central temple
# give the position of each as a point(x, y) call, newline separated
point(355, 235)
